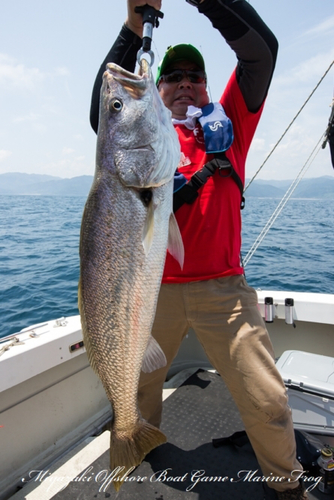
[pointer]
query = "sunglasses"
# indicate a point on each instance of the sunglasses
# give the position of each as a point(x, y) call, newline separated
point(177, 76)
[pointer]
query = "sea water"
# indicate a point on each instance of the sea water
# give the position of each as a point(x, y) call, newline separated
point(39, 253)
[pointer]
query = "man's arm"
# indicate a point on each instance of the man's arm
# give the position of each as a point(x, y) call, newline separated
point(254, 44)
point(124, 53)
point(243, 29)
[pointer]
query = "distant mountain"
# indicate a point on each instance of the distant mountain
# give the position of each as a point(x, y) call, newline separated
point(263, 190)
point(18, 183)
point(317, 187)
point(47, 185)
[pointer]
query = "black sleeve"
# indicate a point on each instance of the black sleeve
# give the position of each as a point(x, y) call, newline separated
point(331, 137)
point(124, 53)
point(254, 44)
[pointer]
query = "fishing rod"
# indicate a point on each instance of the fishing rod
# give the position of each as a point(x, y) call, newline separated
point(328, 136)
point(283, 202)
point(289, 126)
point(150, 20)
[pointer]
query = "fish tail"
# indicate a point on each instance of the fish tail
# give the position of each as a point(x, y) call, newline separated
point(126, 453)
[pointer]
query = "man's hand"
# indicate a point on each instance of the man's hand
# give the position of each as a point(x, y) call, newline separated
point(135, 21)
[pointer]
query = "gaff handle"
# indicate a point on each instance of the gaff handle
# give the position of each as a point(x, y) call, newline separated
point(150, 20)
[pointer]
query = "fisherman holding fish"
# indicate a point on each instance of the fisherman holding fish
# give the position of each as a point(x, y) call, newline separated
point(210, 293)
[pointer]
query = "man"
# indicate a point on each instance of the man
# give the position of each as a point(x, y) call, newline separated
point(210, 292)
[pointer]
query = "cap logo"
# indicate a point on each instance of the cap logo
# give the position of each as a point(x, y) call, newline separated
point(171, 53)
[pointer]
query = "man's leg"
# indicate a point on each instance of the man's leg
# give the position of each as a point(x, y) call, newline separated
point(233, 334)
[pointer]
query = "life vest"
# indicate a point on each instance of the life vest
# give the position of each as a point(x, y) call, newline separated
point(218, 137)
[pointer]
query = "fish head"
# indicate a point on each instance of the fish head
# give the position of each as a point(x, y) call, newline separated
point(136, 138)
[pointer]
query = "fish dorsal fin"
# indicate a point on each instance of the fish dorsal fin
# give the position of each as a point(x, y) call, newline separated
point(175, 243)
point(154, 356)
point(148, 229)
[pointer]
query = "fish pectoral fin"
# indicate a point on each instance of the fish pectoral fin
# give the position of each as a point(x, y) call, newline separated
point(148, 229)
point(175, 243)
point(154, 356)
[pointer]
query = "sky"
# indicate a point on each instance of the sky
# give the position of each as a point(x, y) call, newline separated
point(50, 52)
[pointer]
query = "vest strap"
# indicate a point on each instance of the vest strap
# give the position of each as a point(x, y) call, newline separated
point(189, 192)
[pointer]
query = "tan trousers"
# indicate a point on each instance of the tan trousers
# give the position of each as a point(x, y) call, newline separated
point(225, 317)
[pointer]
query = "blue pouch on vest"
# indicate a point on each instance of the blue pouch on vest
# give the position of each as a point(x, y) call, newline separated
point(217, 128)
point(217, 131)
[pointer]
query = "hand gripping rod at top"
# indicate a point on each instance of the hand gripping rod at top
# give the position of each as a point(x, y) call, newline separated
point(150, 21)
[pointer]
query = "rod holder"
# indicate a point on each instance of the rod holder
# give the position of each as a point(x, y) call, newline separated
point(269, 309)
point(289, 305)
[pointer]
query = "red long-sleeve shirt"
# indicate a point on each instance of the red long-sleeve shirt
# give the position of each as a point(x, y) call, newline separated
point(211, 226)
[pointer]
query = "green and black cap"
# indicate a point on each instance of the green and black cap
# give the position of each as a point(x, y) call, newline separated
point(181, 52)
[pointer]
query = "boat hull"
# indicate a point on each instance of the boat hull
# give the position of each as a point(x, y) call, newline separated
point(51, 400)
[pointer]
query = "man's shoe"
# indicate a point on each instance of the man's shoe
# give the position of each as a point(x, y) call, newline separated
point(298, 493)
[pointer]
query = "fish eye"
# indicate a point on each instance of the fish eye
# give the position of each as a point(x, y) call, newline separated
point(115, 105)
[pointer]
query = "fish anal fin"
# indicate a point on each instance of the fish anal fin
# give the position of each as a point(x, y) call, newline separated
point(126, 453)
point(175, 243)
point(154, 356)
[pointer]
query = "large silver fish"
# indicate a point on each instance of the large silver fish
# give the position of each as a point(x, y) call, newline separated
point(126, 228)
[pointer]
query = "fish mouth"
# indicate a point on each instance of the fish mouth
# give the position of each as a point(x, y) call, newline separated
point(118, 71)
point(144, 67)
point(134, 83)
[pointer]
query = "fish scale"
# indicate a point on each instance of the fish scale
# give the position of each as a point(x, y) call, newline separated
point(126, 228)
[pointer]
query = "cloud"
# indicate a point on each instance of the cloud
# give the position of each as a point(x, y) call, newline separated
point(67, 151)
point(323, 28)
point(78, 137)
point(4, 154)
point(15, 74)
point(68, 166)
point(309, 70)
point(31, 117)
point(258, 144)
point(61, 71)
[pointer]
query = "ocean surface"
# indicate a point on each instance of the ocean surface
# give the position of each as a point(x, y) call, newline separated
point(39, 256)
